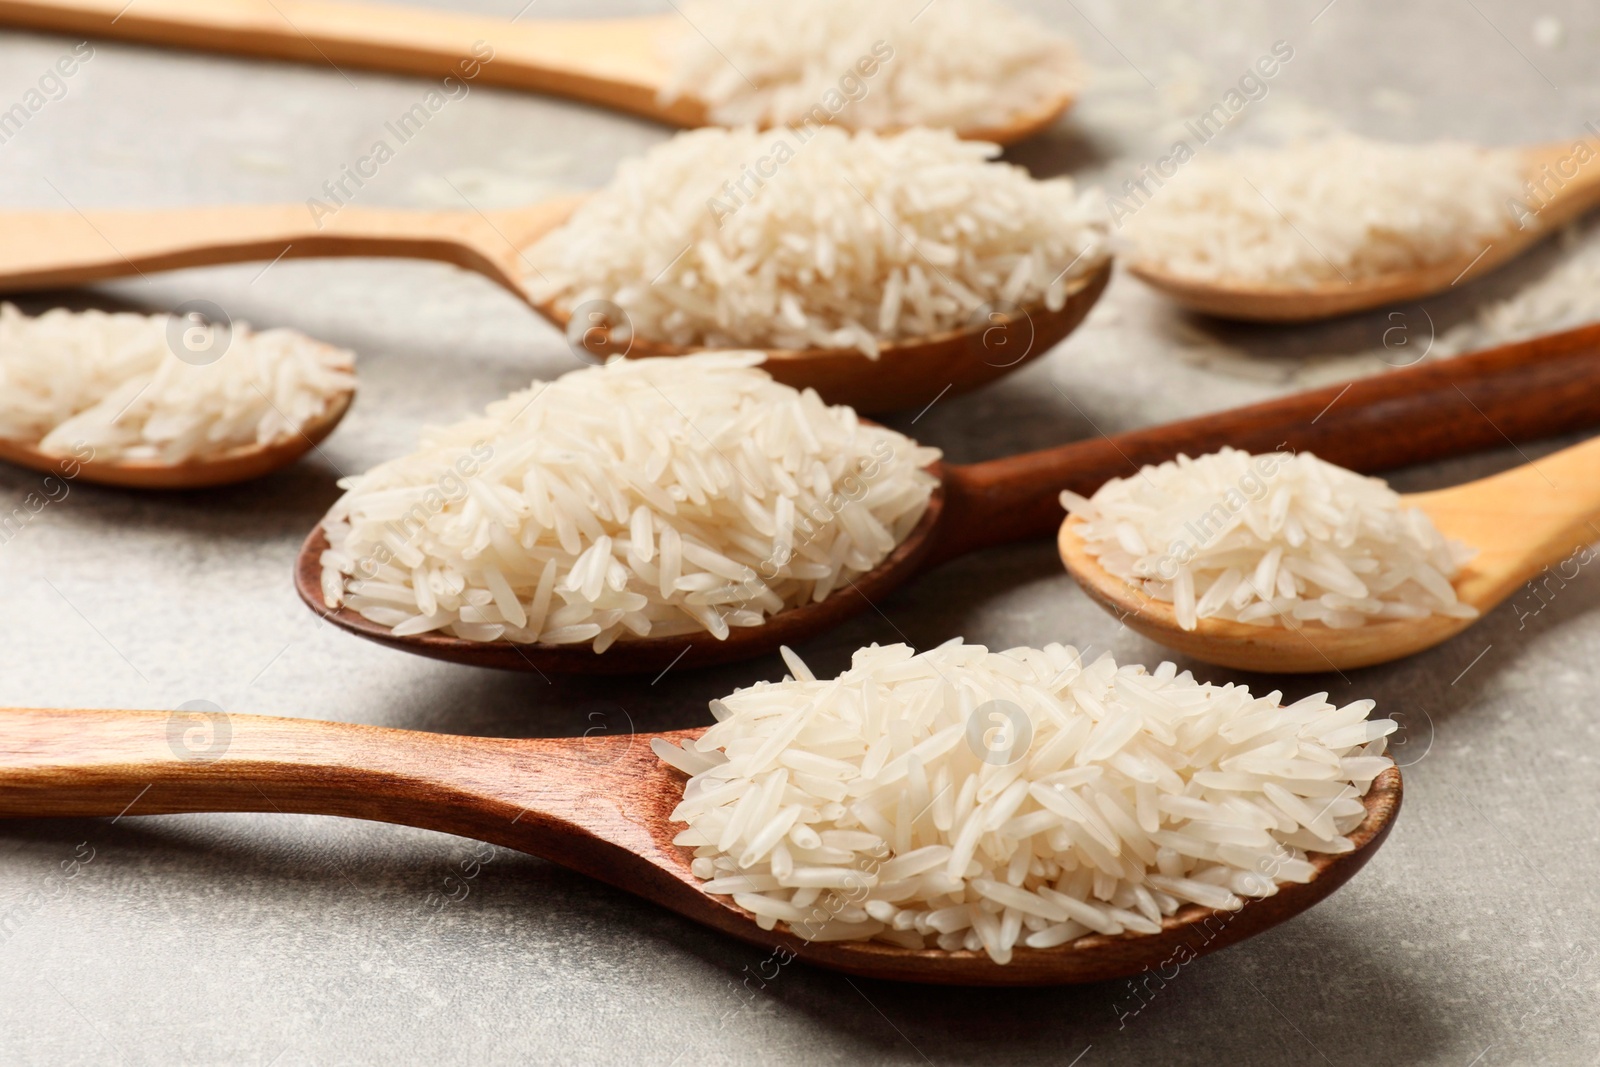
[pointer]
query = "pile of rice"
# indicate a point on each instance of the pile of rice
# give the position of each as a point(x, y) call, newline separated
point(653, 497)
point(113, 382)
point(1275, 539)
point(818, 238)
point(968, 799)
point(963, 64)
point(1331, 210)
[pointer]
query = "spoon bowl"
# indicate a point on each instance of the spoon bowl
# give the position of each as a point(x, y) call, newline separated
point(616, 63)
point(240, 464)
point(599, 805)
point(1252, 301)
point(1428, 411)
point(1521, 522)
point(41, 250)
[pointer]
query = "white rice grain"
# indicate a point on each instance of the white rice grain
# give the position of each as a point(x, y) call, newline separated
point(966, 64)
point(830, 246)
point(1277, 539)
point(1326, 211)
point(1061, 841)
point(550, 519)
point(111, 386)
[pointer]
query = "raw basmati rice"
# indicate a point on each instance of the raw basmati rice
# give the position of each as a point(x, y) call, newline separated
point(650, 497)
point(963, 64)
point(1275, 539)
point(818, 238)
point(977, 800)
point(1331, 210)
point(113, 383)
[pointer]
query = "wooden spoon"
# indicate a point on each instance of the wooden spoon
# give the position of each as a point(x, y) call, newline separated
point(224, 468)
point(1255, 301)
point(43, 250)
point(598, 805)
point(1521, 522)
point(616, 63)
point(1524, 391)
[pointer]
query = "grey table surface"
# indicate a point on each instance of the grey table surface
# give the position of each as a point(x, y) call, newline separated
point(256, 939)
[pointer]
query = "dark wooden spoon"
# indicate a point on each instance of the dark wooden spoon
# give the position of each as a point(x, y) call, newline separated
point(598, 805)
point(1519, 392)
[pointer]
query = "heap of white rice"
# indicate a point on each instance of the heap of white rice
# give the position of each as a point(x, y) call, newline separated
point(818, 238)
point(963, 64)
point(1275, 539)
point(113, 382)
point(1331, 210)
point(968, 799)
point(653, 497)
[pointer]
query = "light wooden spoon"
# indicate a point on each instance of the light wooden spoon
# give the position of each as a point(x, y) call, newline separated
point(598, 805)
point(1428, 411)
point(224, 468)
point(1521, 522)
point(1254, 301)
point(42, 250)
point(616, 63)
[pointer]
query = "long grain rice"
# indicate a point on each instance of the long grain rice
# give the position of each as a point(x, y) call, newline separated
point(968, 799)
point(644, 498)
point(1277, 539)
point(967, 64)
point(817, 238)
point(1331, 210)
point(114, 384)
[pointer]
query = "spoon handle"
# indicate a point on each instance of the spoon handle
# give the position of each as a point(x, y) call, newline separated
point(598, 805)
point(1536, 519)
point(47, 249)
point(533, 795)
point(1519, 392)
point(612, 62)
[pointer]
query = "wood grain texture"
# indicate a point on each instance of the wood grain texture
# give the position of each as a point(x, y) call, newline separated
point(52, 249)
point(598, 805)
point(1252, 301)
point(616, 63)
point(1521, 522)
point(226, 468)
point(43, 250)
point(1520, 392)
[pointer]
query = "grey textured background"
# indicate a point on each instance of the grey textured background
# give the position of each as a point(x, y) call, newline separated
point(1470, 939)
